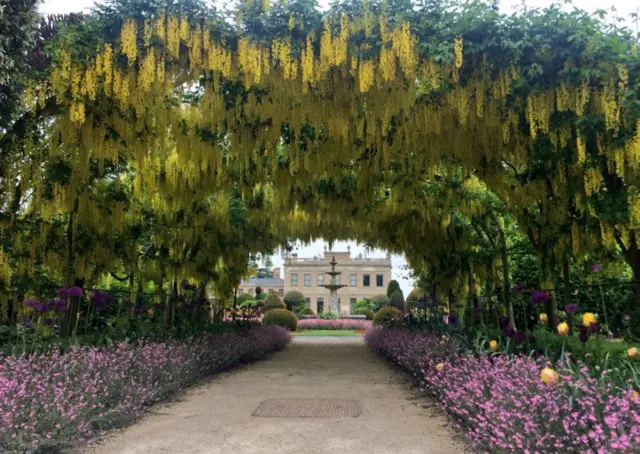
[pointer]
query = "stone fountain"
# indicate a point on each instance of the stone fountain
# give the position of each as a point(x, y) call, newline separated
point(333, 286)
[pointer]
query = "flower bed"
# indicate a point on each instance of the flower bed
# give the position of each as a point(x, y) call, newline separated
point(54, 401)
point(345, 324)
point(505, 406)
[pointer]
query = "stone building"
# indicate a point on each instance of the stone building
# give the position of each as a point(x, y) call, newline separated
point(363, 277)
point(268, 284)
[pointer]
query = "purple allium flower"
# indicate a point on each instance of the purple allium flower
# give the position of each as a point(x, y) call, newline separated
point(63, 292)
point(478, 309)
point(571, 308)
point(518, 288)
point(31, 303)
point(503, 322)
point(532, 339)
point(59, 305)
point(519, 337)
point(596, 267)
point(75, 291)
point(539, 296)
point(42, 307)
point(28, 325)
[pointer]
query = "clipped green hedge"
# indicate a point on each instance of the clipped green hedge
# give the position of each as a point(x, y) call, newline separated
point(366, 312)
point(281, 317)
point(386, 315)
point(274, 302)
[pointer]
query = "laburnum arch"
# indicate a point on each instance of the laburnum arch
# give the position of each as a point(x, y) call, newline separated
point(168, 113)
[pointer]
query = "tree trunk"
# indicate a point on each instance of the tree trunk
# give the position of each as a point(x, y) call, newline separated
point(506, 291)
point(565, 291)
point(476, 308)
point(171, 302)
point(199, 302)
point(552, 303)
point(235, 303)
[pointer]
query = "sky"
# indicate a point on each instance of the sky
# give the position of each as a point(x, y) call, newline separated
point(622, 9)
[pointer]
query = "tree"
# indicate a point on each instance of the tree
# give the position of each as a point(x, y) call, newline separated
point(397, 300)
point(392, 287)
point(293, 298)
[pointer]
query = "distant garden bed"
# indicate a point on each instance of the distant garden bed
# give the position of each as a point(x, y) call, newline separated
point(330, 332)
point(334, 325)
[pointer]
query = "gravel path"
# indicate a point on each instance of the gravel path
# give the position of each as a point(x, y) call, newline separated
point(216, 416)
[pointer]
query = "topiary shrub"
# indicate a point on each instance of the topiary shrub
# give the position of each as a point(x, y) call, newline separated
point(362, 304)
point(308, 311)
point(397, 300)
point(292, 298)
point(244, 297)
point(364, 311)
point(248, 304)
point(281, 317)
point(273, 302)
point(386, 315)
point(413, 299)
point(392, 287)
point(378, 302)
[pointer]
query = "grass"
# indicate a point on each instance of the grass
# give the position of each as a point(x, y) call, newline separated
point(327, 332)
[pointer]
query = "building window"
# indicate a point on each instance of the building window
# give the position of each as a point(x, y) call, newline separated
point(281, 292)
point(307, 280)
point(352, 305)
point(294, 279)
point(270, 291)
point(250, 291)
point(379, 280)
point(320, 305)
point(338, 279)
point(366, 280)
point(320, 279)
point(353, 280)
point(240, 291)
point(308, 301)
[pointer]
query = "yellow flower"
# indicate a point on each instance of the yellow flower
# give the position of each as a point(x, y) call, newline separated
point(588, 318)
point(549, 376)
point(439, 367)
point(543, 317)
point(632, 352)
point(150, 312)
point(563, 329)
point(635, 396)
point(493, 345)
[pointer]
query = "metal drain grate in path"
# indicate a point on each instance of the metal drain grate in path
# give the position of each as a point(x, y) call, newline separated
point(308, 408)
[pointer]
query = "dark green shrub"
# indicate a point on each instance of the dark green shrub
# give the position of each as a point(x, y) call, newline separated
point(244, 297)
point(362, 304)
point(248, 304)
point(308, 311)
point(397, 300)
point(292, 298)
point(366, 312)
point(385, 315)
point(413, 300)
point(273, 302)
point(281, 317)
point(378, 302)
point(392, 287)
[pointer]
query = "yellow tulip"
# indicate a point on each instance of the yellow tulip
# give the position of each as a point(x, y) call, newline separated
point(632, 352)
point(635, 396)
point(563, 329)
point(493, 345)
point(588, 318)
point(549, 376)
point(439, 367)
point(543, 317)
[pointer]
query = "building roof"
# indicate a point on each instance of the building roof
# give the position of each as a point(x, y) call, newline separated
point(262, 281)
